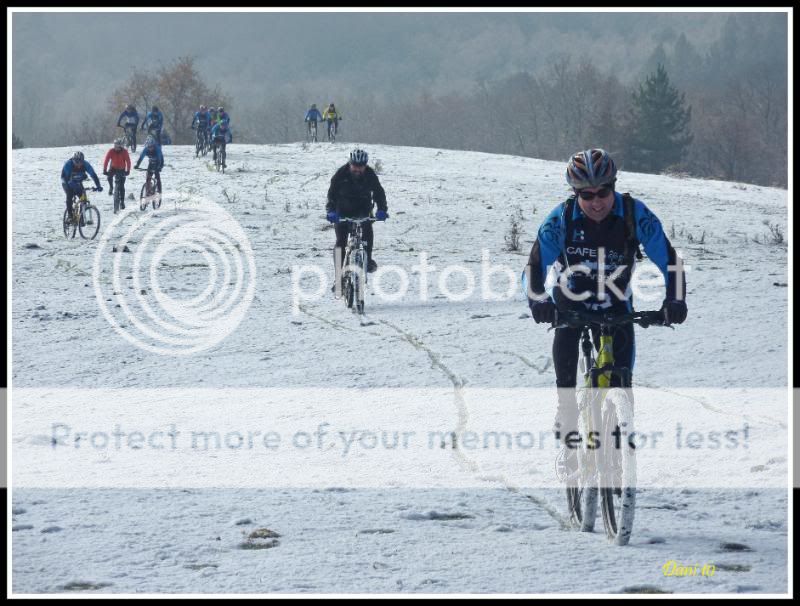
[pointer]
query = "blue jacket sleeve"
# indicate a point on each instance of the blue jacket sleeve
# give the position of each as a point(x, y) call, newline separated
point(92, 174)
point(160, 157)
point(119, 120)
point(141, 155)
point(546, 250)
point(66, 172)
point(195, 119)
point(650, 233)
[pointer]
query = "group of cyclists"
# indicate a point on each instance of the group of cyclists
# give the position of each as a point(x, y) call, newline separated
point(213, 129)
point(212, 124)
point(329, 116)
point(595, 221)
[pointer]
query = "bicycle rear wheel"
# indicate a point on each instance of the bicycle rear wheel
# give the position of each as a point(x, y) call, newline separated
point(618, 468)
point(89, 225)
point(69, 227)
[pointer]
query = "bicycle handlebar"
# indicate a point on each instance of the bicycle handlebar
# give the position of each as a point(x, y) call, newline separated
point(361, 220)
point(575, 318)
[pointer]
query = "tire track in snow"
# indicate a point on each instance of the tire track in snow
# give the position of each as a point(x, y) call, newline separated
point(526, 361)
point(463, 418)
point(707, 406)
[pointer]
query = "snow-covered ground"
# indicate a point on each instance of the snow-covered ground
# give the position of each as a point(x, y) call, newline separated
point(419, 531)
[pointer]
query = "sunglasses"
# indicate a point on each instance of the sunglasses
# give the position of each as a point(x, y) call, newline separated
point(591, 195)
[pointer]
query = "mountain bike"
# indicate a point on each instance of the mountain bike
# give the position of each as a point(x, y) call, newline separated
point(200, 142)
point(604, 461)
point(149, 193)
point(354, 277)
point(130, 137)
point(311, 131)
point(85, 217)
point(219, 160)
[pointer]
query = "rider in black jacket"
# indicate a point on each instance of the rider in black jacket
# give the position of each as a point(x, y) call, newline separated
point(354, 188)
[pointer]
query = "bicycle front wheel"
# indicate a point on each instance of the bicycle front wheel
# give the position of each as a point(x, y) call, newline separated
point(143, 197)
point(89, 224)
point(618, 467)
point(582, 489)
point(349, 291)
point(69, 227)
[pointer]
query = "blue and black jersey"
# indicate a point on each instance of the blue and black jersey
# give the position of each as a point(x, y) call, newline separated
point(154, 156)
point(72, 175)
point(128, 119)
point(586, 249)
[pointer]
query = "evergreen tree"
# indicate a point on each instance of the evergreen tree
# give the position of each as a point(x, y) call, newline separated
point(659, 122)
point(16, 142)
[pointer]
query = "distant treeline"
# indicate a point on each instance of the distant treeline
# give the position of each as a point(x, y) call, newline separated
point(534, 85)
point(727, 108)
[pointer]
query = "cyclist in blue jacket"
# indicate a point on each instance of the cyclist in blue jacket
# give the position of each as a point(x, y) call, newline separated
point(312, 115)
point(72, 176)
point(129, 120)
point(201, 118)
point(223, 116)
point(154, 122)
point(155, 159)
point(595, 237)
point(220, 135)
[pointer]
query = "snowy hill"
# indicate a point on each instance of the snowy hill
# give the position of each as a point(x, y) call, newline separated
point(433, 522)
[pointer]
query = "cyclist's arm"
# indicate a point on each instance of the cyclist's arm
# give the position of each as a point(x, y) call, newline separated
point(127, 159)
point(92, 174)
point(545, 251)
point(332, 193)
point(378, 194)
point(650, 233)
point(66, 172)
point(119, 120)
point(160, 158)
point(107, 161)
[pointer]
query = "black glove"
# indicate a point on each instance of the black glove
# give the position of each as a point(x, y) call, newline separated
point(674, 311)
point(543, 311)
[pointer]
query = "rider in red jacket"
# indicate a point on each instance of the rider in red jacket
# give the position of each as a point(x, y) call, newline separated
point(117, 160)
